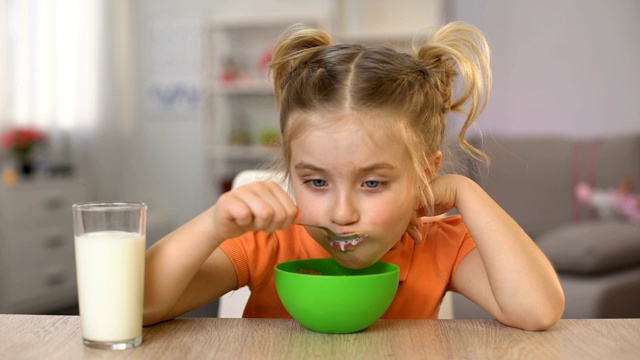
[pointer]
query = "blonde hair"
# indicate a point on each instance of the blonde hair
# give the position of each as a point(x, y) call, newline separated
point(311, 74)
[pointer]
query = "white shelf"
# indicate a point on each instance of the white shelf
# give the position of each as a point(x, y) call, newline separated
point(240, 152)
point(375, 38)
point(243, 22)
point(243, 87)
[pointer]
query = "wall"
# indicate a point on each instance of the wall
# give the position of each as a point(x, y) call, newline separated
point(164, 162)
point(560, 67)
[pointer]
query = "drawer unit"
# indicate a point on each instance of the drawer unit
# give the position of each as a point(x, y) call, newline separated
point(37, 262)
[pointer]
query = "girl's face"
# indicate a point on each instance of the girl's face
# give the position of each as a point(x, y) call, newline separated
point(349, 178)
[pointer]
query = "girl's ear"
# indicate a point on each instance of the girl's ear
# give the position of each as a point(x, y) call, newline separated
point(436, 160)
point(432, 172)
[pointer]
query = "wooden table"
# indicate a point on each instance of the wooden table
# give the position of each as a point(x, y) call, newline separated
point(59, 337)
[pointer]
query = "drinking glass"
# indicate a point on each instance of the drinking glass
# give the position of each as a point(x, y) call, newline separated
point(110, 253)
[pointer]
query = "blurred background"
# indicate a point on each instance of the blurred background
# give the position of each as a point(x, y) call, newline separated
point(163, 101)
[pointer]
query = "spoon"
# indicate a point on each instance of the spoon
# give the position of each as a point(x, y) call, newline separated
point(338, 237)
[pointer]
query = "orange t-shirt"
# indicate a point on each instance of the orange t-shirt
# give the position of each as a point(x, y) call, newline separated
point(426, 269)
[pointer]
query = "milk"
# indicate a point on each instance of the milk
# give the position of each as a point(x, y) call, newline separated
point(110, 271)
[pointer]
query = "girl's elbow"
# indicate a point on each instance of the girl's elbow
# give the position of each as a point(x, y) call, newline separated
point(149, 318)
point(152, 315)
point(553, 316)
point(540, 323)
point(537, 318)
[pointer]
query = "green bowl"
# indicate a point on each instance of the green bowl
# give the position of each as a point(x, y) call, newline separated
point(327, 297)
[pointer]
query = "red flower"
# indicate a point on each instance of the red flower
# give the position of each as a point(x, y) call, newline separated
point(22, 140)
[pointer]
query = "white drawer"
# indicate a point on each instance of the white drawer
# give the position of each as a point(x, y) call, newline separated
point(38, 285)
point(42, 264)
point(31, 249)
point(31, 207)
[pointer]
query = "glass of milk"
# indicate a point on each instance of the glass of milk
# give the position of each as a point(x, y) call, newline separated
point(110, 253)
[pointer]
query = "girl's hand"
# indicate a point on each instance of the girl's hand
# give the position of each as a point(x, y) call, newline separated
point(257, 206)
point(415, 226)
point(445, 193)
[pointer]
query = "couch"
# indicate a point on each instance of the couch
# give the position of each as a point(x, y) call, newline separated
point(534, 180)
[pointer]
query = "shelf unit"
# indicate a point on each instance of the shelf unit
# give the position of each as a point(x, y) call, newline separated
point(239, 102)
point(238, 97)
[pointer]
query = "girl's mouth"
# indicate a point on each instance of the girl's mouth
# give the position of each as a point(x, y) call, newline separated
point(343, 245)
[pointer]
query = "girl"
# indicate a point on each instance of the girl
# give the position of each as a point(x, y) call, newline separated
point(361, 134)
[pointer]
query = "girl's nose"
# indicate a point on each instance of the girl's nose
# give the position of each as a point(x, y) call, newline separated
point(344, 210)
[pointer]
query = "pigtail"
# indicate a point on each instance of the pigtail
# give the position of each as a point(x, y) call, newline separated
point(460, 47)
point(295, 47)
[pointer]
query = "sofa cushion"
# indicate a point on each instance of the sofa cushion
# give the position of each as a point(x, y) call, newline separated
point(533, 177)
point(594, 247)
point(528, 178)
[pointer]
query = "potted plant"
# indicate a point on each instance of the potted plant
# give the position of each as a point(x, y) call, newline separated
point(21, 141)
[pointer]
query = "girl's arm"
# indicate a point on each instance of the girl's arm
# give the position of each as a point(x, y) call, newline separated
point(186, 269)
point(507, 275)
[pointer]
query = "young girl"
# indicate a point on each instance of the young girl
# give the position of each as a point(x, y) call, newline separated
point(361, 134)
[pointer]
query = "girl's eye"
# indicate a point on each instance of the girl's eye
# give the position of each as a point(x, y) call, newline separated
point(318, 183)
point(371, 184)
